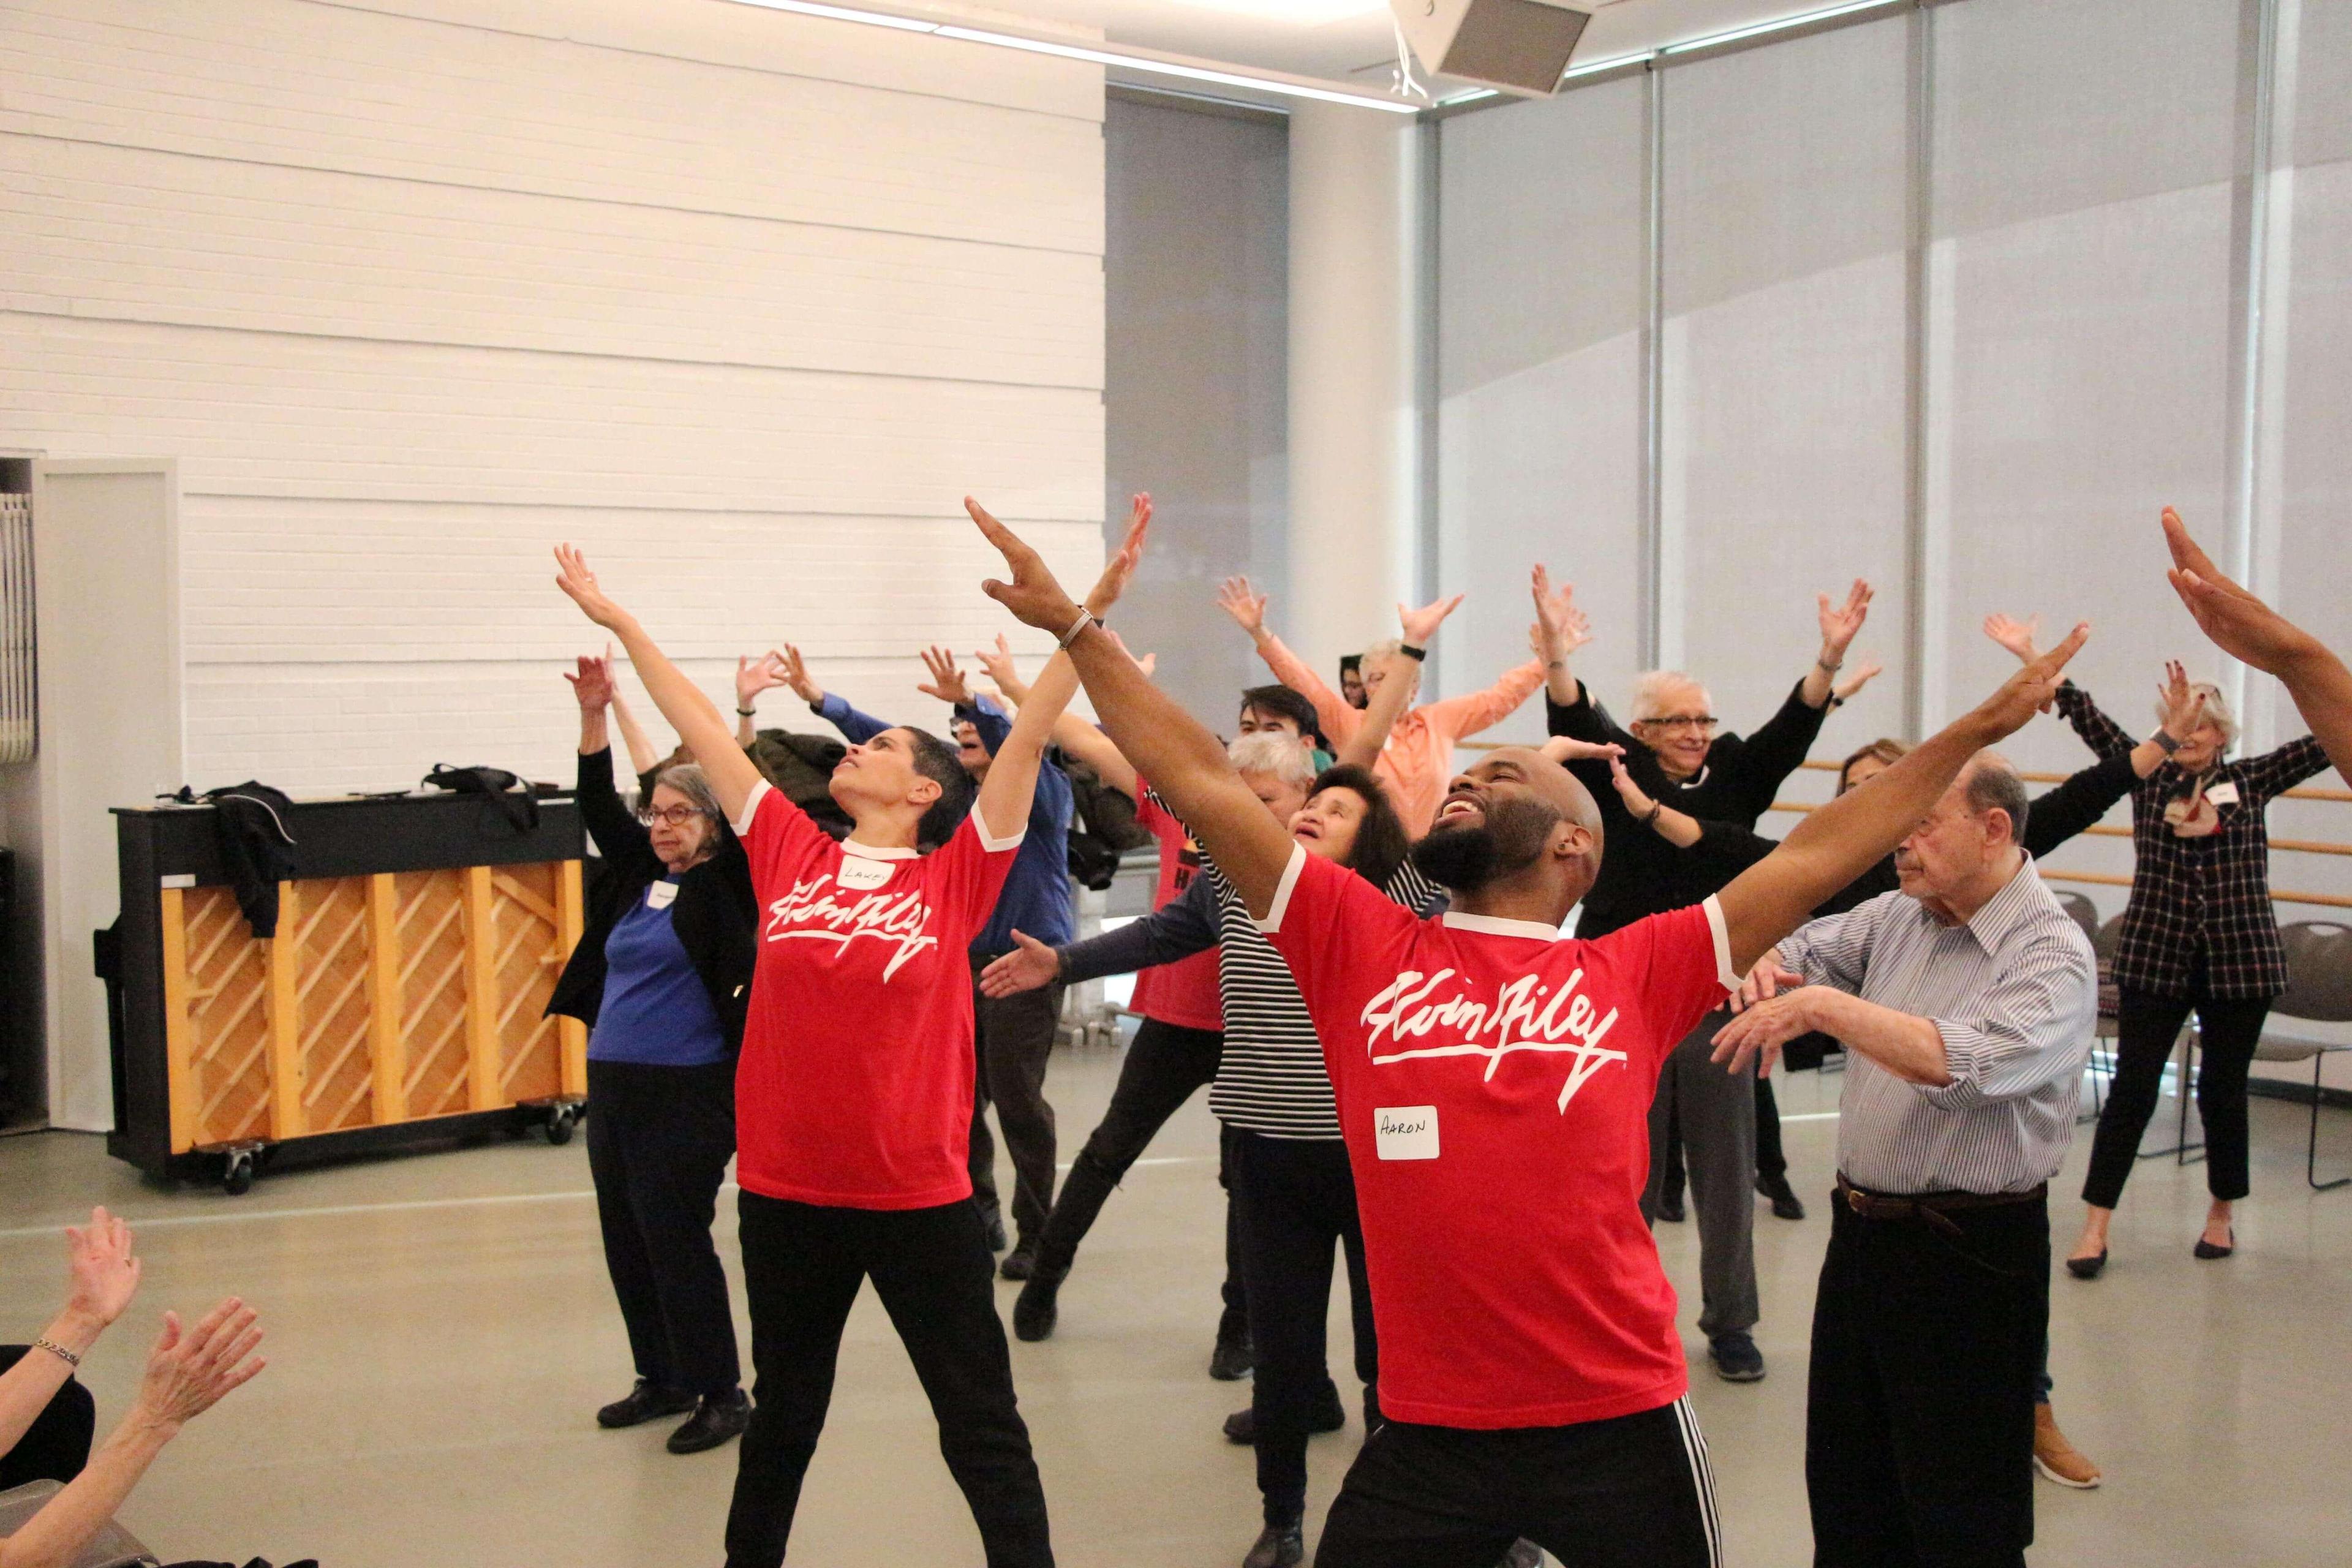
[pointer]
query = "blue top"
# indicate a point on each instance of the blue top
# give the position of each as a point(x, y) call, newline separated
point(1036, 898)
point(655, 1012)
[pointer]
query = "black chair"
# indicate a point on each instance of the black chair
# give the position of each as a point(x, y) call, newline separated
point(2318, 988)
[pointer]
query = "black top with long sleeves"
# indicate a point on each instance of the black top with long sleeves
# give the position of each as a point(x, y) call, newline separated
point(1641, 873)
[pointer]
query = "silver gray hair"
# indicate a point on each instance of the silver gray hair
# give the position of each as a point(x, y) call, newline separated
point(1273, 754)
point(1650, 691)
point(1990, 780)
point(2217, 709)
point(1380, 651)
point(690, 781)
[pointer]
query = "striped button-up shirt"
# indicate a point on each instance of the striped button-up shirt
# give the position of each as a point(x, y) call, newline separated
point(2013, 992)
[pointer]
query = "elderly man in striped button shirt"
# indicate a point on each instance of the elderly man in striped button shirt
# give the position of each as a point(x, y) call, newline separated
point(1967, 1003)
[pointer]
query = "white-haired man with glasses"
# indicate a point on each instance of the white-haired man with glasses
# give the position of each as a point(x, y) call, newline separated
point(1674, 750)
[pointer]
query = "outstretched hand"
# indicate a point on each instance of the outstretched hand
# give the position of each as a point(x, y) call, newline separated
point(578, 583)
point(1246, 604)
point(998, 663)
point(189, 1373)
point(2240, 624)
point(946, 682)
point(1422, 625)
point(101, 1275)
point(1760, 1030)
point(1871, 670)
point(1119, 571)
point(2183, 704)
point(1032, 595)
point(2014, 635)
point(1558, 620)
point(753, 676)
point(1637, 800)
point(1567, 749)
point(1028, 967)
point(795, 670)
point(593, 687)
point(2029, 691)
point(1842, 623)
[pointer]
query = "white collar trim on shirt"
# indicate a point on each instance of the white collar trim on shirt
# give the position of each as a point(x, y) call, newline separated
point(876, 851)
point(1496, 925)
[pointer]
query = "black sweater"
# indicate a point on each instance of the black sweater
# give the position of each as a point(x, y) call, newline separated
point(1641, 873)
point(716, 917)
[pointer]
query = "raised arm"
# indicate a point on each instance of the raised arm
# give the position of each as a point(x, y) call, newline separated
point(1176, 930)
point(2244, 628)
point(1560, 630)
point(1247, 607)
point(1183, 760)
point(1838, 840)
point(1455, 716)
point(1012, 781)
point(642, 757)
point(753, 676)
point(619, 836)
point(2102, 734)
point(693, 715)
point(1840, 624)
point(1399, 674)
point(101, 1276)
point(1072, 735)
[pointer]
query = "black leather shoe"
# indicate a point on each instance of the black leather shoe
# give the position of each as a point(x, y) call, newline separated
point(1034, 1311)
point(1670, 1207)
point(714, 1422)
point(1241, 1427)
point(1233, 1359)
point(2207, 1250)
point(995, 1223)
point(1277, 1546)
point(646, 1403)
point(1785, 1202)
point(1021, 1262)
point(2087, 1267)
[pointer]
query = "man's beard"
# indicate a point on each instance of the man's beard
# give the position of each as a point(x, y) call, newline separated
point(1507, 840)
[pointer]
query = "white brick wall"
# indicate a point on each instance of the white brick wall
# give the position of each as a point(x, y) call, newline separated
point(743, 303)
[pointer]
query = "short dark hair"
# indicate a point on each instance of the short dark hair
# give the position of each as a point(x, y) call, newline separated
point(1382, 841)
point(943, 764)
point(1281, 702)
point(1993, 783)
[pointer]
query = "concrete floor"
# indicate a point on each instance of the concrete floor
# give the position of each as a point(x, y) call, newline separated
point(441, 1331)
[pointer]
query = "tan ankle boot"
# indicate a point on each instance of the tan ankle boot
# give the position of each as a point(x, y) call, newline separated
point(2057, 1459)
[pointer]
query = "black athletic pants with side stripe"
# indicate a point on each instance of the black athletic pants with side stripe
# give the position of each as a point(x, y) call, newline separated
point(1630, 1492)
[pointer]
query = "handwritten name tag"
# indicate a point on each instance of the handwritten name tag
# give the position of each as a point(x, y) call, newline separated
point(661, 895)
point(860, 875)
point(2223, 793)
point(1406, 1132)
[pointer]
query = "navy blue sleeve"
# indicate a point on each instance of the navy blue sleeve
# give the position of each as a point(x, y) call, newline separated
point(857, 728)
point(1183, 927)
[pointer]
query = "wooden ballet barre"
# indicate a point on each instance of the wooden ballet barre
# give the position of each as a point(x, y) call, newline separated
point(2301, 792)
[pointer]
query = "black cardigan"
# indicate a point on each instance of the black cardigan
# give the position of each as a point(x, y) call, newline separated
point(716, 917)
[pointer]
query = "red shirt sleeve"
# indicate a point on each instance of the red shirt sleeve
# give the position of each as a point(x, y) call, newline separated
point(968, 872)
point(777, 837)
point(1327, 921)
point(1684, 961)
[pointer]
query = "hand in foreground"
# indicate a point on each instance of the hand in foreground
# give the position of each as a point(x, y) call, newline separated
point(578, 583)
point(1764, 981)
point(1759, 1031)
point(1034, 596)
point(2184, 705)
point(1559, 622)
point(1247, 607)
point(101, 1275)
point(189, 1373)
point(1871, 670)
point(2014, 635)
point(2029, 691)
point(1842, 623)
point(790, 665)
point(753, 676)
point(2239, 625)
point(1637, 800)
point(1422, 625)
point(1119, 571)
point(1565, 748)
point(947, 682)
point(1030, 965)
point(593, 685)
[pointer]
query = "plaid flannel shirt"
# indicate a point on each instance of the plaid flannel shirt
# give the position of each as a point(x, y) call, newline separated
point(2190, 895)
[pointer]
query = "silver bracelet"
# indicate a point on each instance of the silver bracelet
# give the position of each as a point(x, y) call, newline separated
point(58, 1351)
point(1085, 618)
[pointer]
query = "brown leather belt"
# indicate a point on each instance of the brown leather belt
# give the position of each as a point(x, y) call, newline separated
point(1933, 1209)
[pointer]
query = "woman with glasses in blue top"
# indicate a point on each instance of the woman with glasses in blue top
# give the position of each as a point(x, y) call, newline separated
point(662, 975)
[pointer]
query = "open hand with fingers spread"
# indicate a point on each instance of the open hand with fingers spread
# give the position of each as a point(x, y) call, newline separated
point(579, 584)
point(755, 675)
point(1840, 623)
point(1560, 627)
point(2029, 691)
point(946, 682)
point(593, 687)
point(1763, 1026)
point(998, 662)
point(1244, 604)
point(2183, 704)
point(2014, 635)
point(101, 1275)
point(1030, 966)
point(1871, 670)
point(188, 1374)
point(795, 670)
point(1422, 625)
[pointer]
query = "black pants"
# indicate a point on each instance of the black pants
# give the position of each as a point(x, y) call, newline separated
point(1632, 1492)
point(56, 1447)
point(658, 1142)
point(802, 1265)
point(1295, 1197)
point(1772, 1160)
point(1919, 1417)
point(2146, 1026)
point(1012, 1038)
point(1164, 1066)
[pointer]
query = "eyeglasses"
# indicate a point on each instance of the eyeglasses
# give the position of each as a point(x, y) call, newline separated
point(1700, 722)
point(676, 816)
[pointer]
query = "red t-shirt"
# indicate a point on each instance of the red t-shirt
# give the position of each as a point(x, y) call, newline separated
point(855, 1083)
point(1183, 992)
point(1494, 1086)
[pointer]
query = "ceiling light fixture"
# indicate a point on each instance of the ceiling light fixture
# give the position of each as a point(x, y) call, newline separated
point(1803, 19)
point(1154, 65)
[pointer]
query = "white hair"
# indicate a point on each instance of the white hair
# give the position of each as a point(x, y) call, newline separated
point(2217, 711)
point(1273, 754)
point(1650, 691)
point(1378, 651)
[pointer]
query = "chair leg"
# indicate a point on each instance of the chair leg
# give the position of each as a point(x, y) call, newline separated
point(2311, 1149)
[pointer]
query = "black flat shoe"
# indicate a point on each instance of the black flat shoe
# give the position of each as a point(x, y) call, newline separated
point(1241, 1427)
point(1234, 1358)
point(714, 1421)
point(2207, 1250)
point(1035, 1310)
point(1277, 1546)
point(1786, 1205)
point(1021, 1262)
point(2087, 1267)
point(646, 1403)
point(1670, 1208)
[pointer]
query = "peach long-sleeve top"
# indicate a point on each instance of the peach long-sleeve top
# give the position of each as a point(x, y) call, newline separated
point(1418, 761)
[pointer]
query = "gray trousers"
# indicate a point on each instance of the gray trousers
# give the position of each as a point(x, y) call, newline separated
point(1013, 1036)
point(1716, 1113)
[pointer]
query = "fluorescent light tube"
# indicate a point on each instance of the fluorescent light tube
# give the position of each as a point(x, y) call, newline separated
point(1760, 28)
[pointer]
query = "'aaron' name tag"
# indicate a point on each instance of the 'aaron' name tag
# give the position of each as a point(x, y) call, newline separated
point(1407, 1131)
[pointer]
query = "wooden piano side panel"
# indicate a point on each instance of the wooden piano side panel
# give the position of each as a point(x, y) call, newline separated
point(431, 921)
point(527, 953)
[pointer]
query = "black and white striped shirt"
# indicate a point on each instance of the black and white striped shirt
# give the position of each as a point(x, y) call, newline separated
point(2014, 992)
point(1271, 1078)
